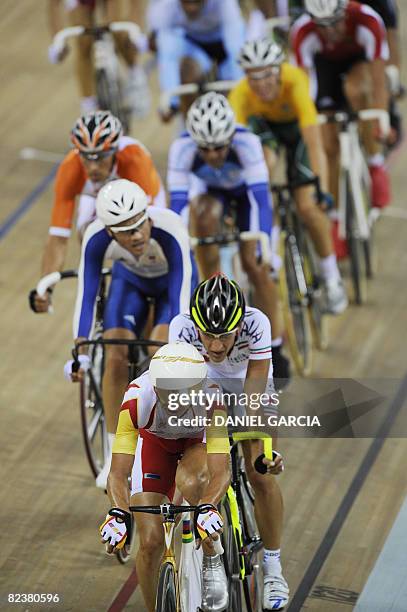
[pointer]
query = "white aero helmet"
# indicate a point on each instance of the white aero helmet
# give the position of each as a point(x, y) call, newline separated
point(326, 12)
point(120, 200)
point(211, 120)
point(260, 53)
point(177, 366)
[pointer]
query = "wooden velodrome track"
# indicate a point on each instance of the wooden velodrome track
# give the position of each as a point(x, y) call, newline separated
point(50, 507)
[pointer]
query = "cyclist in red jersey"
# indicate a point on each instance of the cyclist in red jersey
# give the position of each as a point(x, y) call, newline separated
point(82, 12)
point(343, 45)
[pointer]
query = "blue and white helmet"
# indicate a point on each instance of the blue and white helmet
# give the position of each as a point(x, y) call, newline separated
point(211, 120)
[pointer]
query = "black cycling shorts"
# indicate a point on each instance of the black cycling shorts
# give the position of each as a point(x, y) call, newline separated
point(330, 76)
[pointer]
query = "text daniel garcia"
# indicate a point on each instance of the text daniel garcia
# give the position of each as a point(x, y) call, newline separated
point(253, 420)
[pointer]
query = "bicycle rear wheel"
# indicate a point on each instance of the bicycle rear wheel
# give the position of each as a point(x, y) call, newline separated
point(166, 592)
point(295, 304)
point(231, 558)
point(355, 247)
point(109, 96)
point(92, 414)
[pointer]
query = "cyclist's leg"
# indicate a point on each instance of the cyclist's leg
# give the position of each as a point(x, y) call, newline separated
point(268, 502)
point(153, 482)
point(172, 48)
point(194, 65)
point(265, 291)
point(84, 15)
point(125, 316)
point(192, 474)
point(205, 212)
point(263, 129)
point(137, 91)
point(358, 89)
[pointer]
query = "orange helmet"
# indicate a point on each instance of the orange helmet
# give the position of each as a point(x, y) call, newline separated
point(96, 133)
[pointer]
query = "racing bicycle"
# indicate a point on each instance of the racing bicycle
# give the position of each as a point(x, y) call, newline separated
point(240, 537)
point(299, 280)
point(109, 84)
point(356, 216)
point(174, 585)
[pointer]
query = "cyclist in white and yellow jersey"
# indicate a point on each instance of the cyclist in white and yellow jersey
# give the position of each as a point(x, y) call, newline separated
point(235, 341)
point(159, 456)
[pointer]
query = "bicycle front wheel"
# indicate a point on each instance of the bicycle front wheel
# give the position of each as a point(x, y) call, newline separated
point(231, 558)
point(295, 304)
point(166, 592)
point(94, 429)
point(355, 247)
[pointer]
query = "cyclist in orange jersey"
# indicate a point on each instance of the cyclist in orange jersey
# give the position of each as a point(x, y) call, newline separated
point(101, 154)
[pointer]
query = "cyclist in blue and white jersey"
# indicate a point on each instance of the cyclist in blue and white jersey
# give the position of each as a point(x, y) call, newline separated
point(152, 259)
point(211, 167)
point(235, 342)
point(193, 34)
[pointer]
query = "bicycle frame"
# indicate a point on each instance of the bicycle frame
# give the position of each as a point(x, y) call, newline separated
point(169, 511)
point(353, 164)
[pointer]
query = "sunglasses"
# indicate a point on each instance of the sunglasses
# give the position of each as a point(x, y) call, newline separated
point(220, 337)
point(264, 74)
point(330, 23)
point(214, 147)
point(99, 155)
point(130, 228)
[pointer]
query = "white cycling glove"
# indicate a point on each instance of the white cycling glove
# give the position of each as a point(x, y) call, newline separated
point(55, 54)
point(208, 523)
point(84, 364)
point(114, 529)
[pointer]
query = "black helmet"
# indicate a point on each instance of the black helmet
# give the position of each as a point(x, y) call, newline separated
point(217, 305)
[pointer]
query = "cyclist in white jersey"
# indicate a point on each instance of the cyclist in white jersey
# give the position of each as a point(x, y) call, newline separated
point(236, 343)
point(159, 455)
point(152, 259)
point(214, 166)
point(192, 35)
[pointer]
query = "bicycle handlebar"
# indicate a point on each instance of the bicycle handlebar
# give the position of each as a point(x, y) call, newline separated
point(192, 88)
point(367, 114)
point(227, 238)
point(275, 22)
point(170, 510)
point(49, 280)
point(115, 341)
point(132, 29)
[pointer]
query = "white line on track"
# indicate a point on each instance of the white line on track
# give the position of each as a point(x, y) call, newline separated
point(40, 155)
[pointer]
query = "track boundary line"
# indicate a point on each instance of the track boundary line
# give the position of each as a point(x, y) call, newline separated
point(125, 593)
point(348, 500)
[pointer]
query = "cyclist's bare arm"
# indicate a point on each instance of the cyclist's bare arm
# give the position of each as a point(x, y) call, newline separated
point(55, 19)
point(394, 47)
point(256, 376)
point(118, 484)
point(319, 164)
point(54, 254)
point(379, 84)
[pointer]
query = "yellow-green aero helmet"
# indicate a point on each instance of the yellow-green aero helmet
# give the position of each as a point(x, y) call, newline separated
point(217, 305)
